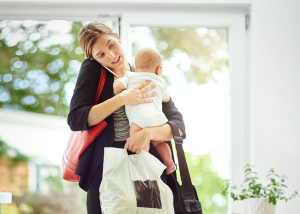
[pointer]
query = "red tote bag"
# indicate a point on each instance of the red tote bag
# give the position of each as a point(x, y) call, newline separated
point(80, 140)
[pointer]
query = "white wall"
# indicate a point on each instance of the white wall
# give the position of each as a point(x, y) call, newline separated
point(273, 75)
point(274, 92)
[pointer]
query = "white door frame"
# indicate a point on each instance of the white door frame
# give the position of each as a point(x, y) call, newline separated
point(235, 22)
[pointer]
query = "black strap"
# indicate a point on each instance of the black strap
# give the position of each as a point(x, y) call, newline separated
point(183, 168)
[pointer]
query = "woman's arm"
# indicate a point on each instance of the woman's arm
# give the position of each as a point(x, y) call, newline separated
point(138, 140)
point(162, 133)
point(83, 113)
point(172, 113)
point(102, 110)
point(84, 95)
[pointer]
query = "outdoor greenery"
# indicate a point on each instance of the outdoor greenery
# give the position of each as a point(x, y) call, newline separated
point(66, 197)
point(12, 155)
point(37, 66)
point(274, 191)
point(62, 198)
point(205, 50)
point(68, 200)
point(207, 182)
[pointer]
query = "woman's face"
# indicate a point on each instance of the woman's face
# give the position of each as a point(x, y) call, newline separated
point(108, 51)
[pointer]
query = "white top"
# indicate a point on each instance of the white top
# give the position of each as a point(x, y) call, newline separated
point(146, 114)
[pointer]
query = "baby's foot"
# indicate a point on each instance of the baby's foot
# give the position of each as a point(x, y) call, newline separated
point(170, 167)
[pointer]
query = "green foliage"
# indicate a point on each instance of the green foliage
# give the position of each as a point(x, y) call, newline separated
point(9, 209)
point(34, 70)
point(63, 198)
point(251, 189)
point(12, 155)
point(55, 183)
point(203, 47)
point(52, 203)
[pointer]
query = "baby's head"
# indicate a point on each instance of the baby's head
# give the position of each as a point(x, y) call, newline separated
point(148, 60)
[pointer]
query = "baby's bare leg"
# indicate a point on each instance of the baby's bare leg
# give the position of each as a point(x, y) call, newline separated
point(135, 128)
point(164, 151)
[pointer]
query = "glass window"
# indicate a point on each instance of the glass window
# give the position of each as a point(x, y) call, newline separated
point(195, 67)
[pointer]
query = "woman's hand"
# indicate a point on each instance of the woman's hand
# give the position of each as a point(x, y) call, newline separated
point(137, 94)
point(137, 141)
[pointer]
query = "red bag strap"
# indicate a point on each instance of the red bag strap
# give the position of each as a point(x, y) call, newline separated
point(101, 84)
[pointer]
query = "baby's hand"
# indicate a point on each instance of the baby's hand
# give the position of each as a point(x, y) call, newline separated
point(118, 87)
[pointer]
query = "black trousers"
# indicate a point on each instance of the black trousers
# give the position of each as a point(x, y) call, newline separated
point(93, 201)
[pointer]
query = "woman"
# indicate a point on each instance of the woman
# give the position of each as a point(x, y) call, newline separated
point(102, 47)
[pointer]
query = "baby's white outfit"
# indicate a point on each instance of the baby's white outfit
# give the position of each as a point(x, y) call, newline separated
point(146, 114)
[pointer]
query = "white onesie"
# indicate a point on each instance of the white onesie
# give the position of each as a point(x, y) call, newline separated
point(146, 114)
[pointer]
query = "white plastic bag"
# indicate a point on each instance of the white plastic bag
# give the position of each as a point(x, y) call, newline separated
point(131, 184)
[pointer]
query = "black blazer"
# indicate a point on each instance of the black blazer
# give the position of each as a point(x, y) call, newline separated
point(81, 103)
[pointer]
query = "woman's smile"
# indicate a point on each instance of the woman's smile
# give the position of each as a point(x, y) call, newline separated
point(117, 60)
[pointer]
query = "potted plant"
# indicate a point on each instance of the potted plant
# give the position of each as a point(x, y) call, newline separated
point(262, 199)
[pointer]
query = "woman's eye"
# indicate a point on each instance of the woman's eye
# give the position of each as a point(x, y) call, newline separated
point(112, 44)
point(101, 55)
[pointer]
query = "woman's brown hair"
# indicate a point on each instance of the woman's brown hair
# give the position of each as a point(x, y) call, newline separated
point(89, 34)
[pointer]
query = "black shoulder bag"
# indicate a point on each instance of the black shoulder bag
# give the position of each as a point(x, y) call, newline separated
point(185, 196)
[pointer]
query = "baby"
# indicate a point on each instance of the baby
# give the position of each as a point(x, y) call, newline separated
point(148, 66)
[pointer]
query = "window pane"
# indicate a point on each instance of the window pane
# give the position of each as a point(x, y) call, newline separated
point(195, 69)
